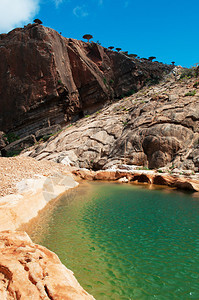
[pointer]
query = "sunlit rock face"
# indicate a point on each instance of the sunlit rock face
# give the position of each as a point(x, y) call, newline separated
point(30, 271)
point(46, 79)
point(146, 129)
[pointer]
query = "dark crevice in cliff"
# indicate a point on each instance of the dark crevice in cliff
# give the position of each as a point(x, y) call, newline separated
point(48, 292)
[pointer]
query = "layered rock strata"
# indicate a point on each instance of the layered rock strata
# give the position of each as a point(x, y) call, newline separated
point(158, 127)
point(46, 79)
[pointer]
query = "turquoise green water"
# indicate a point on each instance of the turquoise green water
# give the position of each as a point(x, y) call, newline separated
point(125, 241)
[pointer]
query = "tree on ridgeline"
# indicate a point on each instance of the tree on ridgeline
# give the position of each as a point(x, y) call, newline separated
point(118, 49)
point(111, 47)
point(151, 58)
point(133, 55)
point(173, 63)
point(87, 37)
point(37, 21)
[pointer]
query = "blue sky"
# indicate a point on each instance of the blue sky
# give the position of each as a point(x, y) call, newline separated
point(166, 29)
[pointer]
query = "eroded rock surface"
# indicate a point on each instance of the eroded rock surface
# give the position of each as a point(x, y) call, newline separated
point(179, 181)
point(156, 127)
point(30, 271)
point(46, 79)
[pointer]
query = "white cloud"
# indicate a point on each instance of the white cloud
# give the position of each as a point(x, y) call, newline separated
point(80, 11)
point(16, 12)
point(58, 2)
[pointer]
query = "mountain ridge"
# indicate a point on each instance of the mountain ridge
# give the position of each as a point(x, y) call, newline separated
point(46, 79)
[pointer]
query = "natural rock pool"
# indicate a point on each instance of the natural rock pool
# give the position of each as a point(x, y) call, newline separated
point(125, 241)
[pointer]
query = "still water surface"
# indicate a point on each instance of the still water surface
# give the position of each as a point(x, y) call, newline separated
point(125, 241)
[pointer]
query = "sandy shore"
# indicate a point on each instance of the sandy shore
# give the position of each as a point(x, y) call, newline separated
point(26, 186)
point(15, 169)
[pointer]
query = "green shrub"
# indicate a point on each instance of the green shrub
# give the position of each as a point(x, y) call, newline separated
point(196, 84)
point(12, 137)
point(190, 73)
point(111, 81)
point(192, 93)
point(130, 92)
point(46, 137)
point(125, 123)
point(153, 80)
point(144, 168)
point(12, 153)
point(127, 94)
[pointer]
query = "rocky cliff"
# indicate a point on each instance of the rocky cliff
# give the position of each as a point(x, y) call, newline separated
point(30, 271)
point(46, 79)
point(156, 127)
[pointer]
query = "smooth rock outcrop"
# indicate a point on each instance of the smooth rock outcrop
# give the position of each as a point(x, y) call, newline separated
point(29, 271)
point(146, 129)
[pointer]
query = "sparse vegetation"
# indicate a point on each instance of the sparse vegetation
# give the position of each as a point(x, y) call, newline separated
point(196, 84)
point(87, 37)
point(151, 58)
point(37, 21)
point(46, 137)
point(190, 73)
point(130, 92)
point(191, 93)
point(13, 153)
point(98, 112)
point(144, 168)
point(11, 137)
point(152, 80)
point(125, 123)
point(127, 94)
point(111, 81)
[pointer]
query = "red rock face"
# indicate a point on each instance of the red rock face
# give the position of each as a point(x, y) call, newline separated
point(46, 79)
